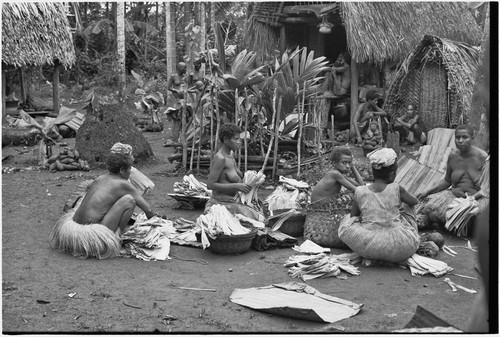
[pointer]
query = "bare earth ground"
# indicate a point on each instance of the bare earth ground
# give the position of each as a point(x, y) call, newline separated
point(129, 295)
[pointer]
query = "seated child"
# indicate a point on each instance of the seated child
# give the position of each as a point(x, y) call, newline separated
point(330, 185)
point(372, 139)
point(329, 204)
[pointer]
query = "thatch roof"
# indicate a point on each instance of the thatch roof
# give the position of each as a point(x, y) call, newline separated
point(389, 31)
point(460, 61)
point(36, 33)
point(378, 31)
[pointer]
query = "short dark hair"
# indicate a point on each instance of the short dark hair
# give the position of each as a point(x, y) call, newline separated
point(371, 94)
point(466, 127)
point(116, 161)
point(384, 173)
point(338, 152)
point(228, 131)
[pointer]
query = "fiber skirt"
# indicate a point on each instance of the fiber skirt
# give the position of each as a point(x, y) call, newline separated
point(85, 241)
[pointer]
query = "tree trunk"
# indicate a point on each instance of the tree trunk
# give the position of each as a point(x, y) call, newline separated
point(55, 87)
point(354, 94)
point(188, 49)
point(170, 38)
point(478, 118)
point(120, 40)
point(203, 35)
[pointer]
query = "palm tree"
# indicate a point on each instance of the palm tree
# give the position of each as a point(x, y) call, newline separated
point(170, 37)
point(120, 40)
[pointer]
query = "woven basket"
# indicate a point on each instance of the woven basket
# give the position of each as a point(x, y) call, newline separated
point(232, 244)
point(293, 226)
point(322, 228)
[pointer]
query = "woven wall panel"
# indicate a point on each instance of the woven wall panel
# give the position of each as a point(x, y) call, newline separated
point(434, 97)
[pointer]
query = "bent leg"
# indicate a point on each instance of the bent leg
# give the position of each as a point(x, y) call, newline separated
point(120, 213)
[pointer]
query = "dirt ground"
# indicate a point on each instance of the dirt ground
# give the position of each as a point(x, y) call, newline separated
point(133, 296)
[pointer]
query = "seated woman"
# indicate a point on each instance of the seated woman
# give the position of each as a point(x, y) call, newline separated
point(366, 112)
point(408, 126)
point(382, 225)
point(225, 178)
point(463, 173)
point(92, 228)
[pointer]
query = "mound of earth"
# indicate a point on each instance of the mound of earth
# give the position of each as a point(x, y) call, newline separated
point(105, 126)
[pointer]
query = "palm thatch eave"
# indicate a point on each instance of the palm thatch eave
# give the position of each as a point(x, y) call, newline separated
point(389, 31)
point(36, 34)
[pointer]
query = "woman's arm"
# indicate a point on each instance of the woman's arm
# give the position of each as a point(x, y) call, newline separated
point(406, 197)
point(355, 122)
point(380, 112)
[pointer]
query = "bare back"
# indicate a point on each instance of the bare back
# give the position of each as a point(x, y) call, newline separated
point(101, 196)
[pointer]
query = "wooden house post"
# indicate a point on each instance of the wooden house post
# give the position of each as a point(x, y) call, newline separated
point(282, 39)
point(22, 82)
point(354, 93)
point(4, 93)
point(55, 87)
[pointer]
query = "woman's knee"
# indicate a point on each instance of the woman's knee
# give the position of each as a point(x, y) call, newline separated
point(127, 201)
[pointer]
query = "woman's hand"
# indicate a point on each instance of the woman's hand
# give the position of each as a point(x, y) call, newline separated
point(359, 140)
point(244, 188)
point(422, 195)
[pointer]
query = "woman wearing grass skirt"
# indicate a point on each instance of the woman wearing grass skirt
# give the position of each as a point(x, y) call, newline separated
point(382, 224)
point(92, 228)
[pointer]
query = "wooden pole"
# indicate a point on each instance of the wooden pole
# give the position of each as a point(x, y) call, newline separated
point(201, 136)
point(333, 128)
point(276, 138)
point(272, 134)
point(300, 111)
point(246, 130)
point(22, 78)
point(55, 87)
point(4, 93)
point(318, 133)
point(183, 129)
point(354, 94)
point(217, 113)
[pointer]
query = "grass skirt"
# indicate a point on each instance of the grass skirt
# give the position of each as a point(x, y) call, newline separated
point(92, 240)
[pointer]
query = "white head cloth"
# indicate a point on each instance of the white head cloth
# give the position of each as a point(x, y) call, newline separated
point(121, 149)
point(383, 157)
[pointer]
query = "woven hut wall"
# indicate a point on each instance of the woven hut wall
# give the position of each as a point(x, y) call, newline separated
point(434, 97)
point(36, 33)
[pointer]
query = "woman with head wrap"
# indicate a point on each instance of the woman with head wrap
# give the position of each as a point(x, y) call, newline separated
point(91, 229)
point(382, 224)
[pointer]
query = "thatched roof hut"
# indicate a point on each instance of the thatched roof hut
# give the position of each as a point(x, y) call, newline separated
point(376, 32)
point(438, 78)
point(36, 33)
